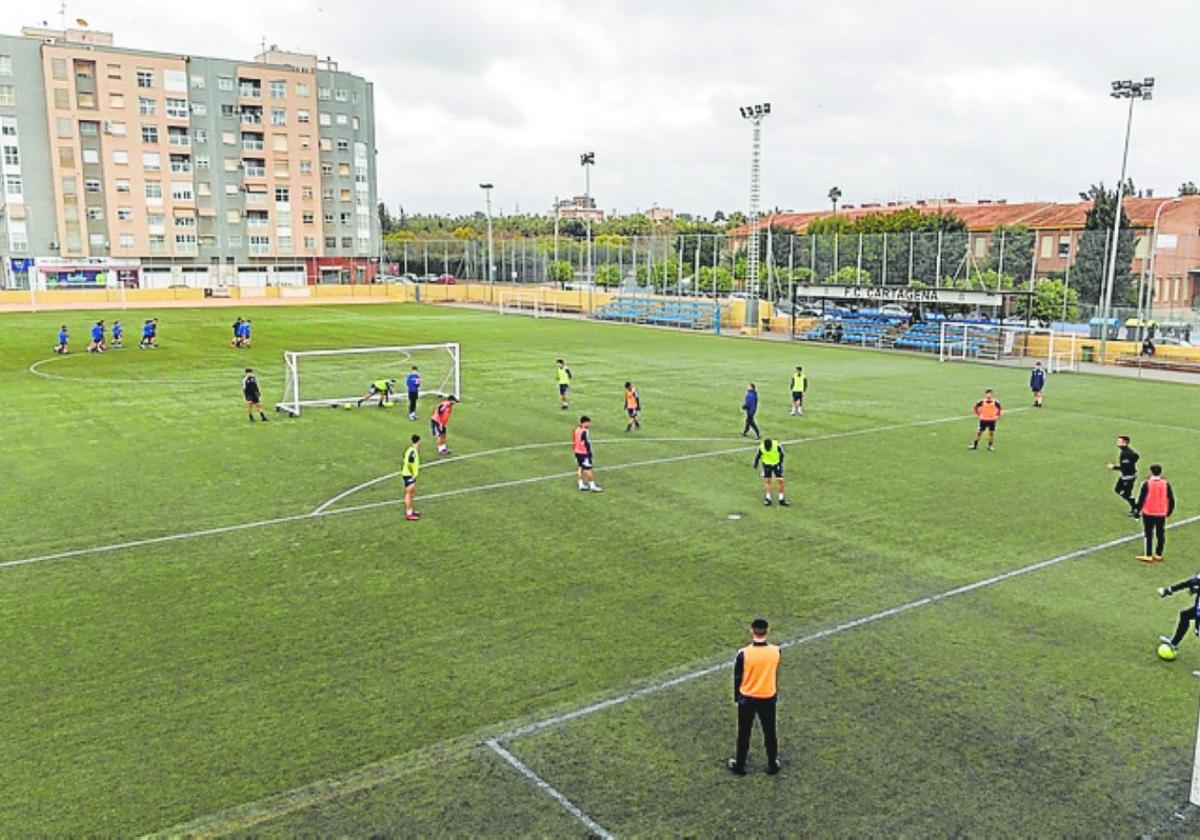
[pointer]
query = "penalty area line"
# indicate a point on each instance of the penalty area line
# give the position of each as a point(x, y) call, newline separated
point(549, 789)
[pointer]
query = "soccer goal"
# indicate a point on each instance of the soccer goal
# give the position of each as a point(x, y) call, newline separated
point(521, 303)
point(975, 342)
point(315, 378)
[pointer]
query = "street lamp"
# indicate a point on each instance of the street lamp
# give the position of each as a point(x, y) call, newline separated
point(487, 192)
point(1133, 91)
point(587, 160)
point(754, 113)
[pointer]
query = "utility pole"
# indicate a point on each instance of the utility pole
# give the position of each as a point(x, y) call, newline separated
point(491, 267)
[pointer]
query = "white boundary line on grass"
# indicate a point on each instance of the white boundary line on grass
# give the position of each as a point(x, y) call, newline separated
point(499, 485)
point(299, 798)
point(83, 380)
point(551, 791)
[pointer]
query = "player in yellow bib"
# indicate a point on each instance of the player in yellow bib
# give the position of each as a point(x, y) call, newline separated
point(409, 470)
point(799, 386)
point(562, 375)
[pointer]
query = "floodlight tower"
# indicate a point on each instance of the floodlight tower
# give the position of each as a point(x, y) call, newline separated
point(487, 192)
point(587, 160)
point(754, 113)
point(1133, 91)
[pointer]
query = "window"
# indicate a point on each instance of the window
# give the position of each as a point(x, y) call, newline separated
point(177, 109)
point(181, 163)
point(228, 110)
point(175, 80)
point(13, 185)
point(199, 109)
point(1047, 247)
point(86, 99)
point(66, 156)
point(58, 69)
point(344, 195)
point(279, 142)
point(125, 240)
point(69, 185)
point(121, 156)
point(341, 94)
point(12, 155)
point(302, 88)
point(115, 128)
point(185, 221)
point(347, 241)
point(145, 78)
point(255, 168)
point(200, 135)
point(121, 185)
point(306, 193)
point(8, 96)
point(278, 89)
point(154, 221)
point(185, 243)
point(62, 99)
point(151, 161)
point(1064, 247)
point(326, 144)
point(322, 93)
point(96, 240)
point(306, 167)
point(114, 72)
point(330, 241)
point(225, 83)
point(260, 244)
point(231, 164)
point(344, 170)
point(203, 188)
point(308, 217)
point(154, 190)
point(116, 100)
point(63, 127)
point(149, 134)
point(197, 83)
point(229, 138)
point(278, 116)
point(302, 116)
point(8, 126)
point(343, 144)
point(345, 218)
point(202, 162)
point(95, 214)
point(327, 169)
point(233, 217)
point(125, 214)
point(158, 243)
point(147, 107)
point(5, 65)
point(231, 189)
point(87, 128)
point(285, 244)
point(91, 155)
point(282, 195)
point(256, 197)
point(342, 119)
point(181, 191)
point(178, 136)
point(327, 194)
point(324, 119)
point(281, 168)
point(310, 243)
point(354, 121)
point(329, 217)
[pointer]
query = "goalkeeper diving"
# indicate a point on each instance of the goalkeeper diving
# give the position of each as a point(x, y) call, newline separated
point(381, 388)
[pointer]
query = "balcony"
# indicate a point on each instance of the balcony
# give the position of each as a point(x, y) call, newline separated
point(252, 145)
point(251, 116)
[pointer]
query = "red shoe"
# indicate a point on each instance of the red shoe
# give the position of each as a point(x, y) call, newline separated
point(413, 517)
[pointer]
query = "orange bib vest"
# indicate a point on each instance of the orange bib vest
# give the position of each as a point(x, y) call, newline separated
point(1157, 502)
point(580, 444)
point(759, 664)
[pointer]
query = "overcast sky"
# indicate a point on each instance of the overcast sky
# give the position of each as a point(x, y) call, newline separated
point(887, 100)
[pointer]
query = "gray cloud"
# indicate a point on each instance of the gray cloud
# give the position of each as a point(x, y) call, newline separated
point(887, 100)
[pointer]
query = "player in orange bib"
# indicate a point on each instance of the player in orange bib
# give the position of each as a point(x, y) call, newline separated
point(439, 420)
point(988, 411)
point(633, 407)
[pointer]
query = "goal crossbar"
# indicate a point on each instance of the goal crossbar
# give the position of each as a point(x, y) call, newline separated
point(333, 385)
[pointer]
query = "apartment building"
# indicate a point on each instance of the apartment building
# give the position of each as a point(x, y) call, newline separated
point(154, 169)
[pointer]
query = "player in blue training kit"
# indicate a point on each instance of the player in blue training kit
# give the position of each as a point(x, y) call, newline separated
point(97, 345)
point(237, 333)
point(413, 383)
point(750, 406)
point(149, 335)
point(63, 340)
point(246, 333)
point(118, 331)
point(1037, 382)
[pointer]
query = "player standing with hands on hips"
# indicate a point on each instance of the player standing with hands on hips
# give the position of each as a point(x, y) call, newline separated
point(799, 386)
point(409, 472)
point(754, 691)
point(562, 375)
point(413, 383)
point(988, 411)
point(1155, 503)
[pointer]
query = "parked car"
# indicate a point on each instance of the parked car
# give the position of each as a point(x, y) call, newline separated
point(397, 279)
point(445, 280)
point(894, 310)
point(1171, 341)
point(427, 278)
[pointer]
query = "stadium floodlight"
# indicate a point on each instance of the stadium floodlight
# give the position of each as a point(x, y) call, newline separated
point(1133, 91)
point(314, 378)
point(756, 114)
point(487, 192)
point(587, 160)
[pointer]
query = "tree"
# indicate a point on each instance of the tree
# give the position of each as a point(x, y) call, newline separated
point(562, 271)
point(849, 276)
point(718, 217)
point(1188, 188)
point(608, 275)
point(1091, 258)
point(834, 195)
point(464, 232)
point(386, 223)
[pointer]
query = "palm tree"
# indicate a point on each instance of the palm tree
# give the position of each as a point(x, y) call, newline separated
point(834, 195)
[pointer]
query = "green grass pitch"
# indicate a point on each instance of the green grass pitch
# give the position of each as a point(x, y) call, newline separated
point(340, 674)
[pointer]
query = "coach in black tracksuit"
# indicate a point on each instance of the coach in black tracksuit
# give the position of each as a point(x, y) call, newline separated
point(1127, 467)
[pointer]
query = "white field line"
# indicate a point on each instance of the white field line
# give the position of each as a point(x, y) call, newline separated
point(245, 816)
point(545, 787)
point(503, 450)
point(279, 520)
point(34, 369)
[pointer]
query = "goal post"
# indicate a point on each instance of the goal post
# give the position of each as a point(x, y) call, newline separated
point(1003, 343)
point(521, 303)
point(314, 378)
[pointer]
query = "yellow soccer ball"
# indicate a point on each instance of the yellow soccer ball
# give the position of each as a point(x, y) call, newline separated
point(1167, 653)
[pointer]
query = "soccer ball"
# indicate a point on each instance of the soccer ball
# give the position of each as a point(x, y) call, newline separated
point(388, 404)
point(347, 406)
point(1167, 653)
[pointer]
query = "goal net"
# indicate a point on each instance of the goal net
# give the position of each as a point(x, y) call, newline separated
point(1002, 343)
point(341, 377)
point(521, 303)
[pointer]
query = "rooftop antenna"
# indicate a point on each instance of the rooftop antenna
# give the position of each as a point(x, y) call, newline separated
point(62, 14)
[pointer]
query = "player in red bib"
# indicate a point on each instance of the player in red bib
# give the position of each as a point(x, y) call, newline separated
point(439, 420)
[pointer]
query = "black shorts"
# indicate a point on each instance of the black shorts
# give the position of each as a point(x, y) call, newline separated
point(797, 396)
point(583, 460)
point(987, 425)
point(409, 480)
point(1125, 485)
point(253, 397)
point(435, 429)
point(562, 390)
point(772, 470)
point(632, 412)
point(376, 390)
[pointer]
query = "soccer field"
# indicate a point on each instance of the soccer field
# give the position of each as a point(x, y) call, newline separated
point(189, 647)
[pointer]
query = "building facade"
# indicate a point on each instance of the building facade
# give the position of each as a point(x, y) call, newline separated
point(153, 169)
